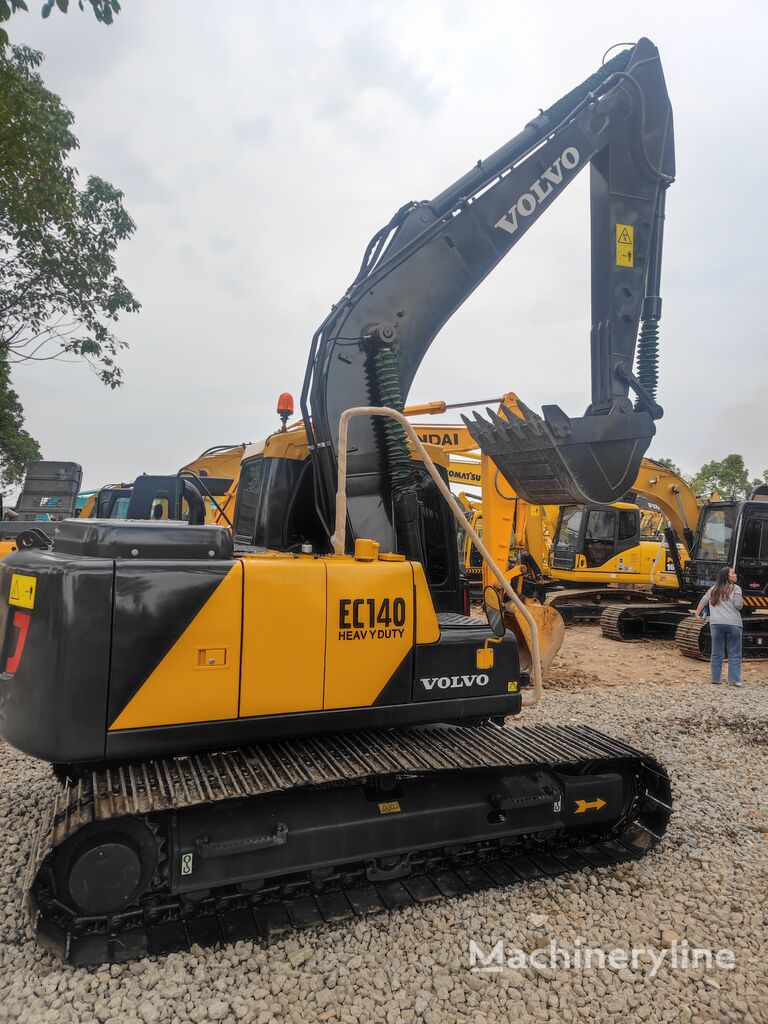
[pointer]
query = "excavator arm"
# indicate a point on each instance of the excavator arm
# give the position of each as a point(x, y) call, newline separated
point(428, 259)
point(667, 489)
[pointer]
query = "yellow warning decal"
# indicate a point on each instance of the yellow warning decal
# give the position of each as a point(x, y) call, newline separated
point(512, 687)
point(391, 807)
point(625, 245)
point(589, 805)
point(23, 591)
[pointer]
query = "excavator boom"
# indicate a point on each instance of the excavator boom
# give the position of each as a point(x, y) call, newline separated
point(428, 259)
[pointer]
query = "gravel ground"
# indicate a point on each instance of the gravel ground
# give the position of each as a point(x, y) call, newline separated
point(707, 883)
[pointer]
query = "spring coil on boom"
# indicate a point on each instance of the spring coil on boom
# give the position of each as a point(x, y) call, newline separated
point(386, 387)
point(648, 357)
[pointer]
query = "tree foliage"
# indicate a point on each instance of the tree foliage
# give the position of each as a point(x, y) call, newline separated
point(103, 10)
point(728, 476)
point(17, 448)
point(59, 289)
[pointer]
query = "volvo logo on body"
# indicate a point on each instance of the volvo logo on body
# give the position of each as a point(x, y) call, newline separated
point(539, 190)
point(454, 682)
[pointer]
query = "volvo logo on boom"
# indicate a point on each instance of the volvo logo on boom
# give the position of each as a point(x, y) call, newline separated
point(539, 190)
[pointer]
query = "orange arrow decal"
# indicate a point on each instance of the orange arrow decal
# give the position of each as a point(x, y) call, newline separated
point(589, 805)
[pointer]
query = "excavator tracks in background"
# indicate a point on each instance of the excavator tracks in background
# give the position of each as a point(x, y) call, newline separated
point(152, 797)
point(633, 623)
point(693, 639)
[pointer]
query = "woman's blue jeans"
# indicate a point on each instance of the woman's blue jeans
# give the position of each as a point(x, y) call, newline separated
point(726, 640)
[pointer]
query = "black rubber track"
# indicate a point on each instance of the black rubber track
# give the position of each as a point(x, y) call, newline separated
point(162, 922)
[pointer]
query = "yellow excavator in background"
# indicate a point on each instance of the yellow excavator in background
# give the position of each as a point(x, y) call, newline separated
point(198, 493)
point(572, 557)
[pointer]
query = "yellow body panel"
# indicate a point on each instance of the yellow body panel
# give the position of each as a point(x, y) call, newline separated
point(219, 463)
point(198, 680)
point(645, 564)
point(317, 633)
point(283, 635)
point(369, 630)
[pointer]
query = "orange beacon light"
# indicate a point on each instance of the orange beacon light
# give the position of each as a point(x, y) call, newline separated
point(285, 407)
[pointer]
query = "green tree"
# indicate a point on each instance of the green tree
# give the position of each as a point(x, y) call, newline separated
point(104, 11)
point(728, 476)
point(17, 448)
point(60, 293)
point(670, 465)
point(59, 289)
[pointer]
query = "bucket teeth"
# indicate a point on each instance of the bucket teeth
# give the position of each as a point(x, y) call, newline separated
point(556, 460)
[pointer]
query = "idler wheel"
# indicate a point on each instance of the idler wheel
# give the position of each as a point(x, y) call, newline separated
point(105, 868)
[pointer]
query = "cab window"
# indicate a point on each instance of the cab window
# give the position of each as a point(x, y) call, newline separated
point(120, 508)
point(755, 543)
point(716, 531)
point(248, 491)
point(627, 524)
point(599, 544)
point(568, 528)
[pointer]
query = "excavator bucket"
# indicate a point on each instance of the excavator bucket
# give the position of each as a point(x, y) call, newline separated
point(551, 629)
point(556, 460)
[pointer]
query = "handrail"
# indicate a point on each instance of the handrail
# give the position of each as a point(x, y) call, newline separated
point(339, 538)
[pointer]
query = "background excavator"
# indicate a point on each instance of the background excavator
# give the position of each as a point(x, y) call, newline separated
point(292, 722)
point(199, 492)
point(572, 557)
point(723, 532)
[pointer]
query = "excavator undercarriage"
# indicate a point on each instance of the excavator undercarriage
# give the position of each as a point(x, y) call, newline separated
point(153, 856)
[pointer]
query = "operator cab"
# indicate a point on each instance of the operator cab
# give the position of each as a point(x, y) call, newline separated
point(276, 509)
point(733, 533)
point(589, 536)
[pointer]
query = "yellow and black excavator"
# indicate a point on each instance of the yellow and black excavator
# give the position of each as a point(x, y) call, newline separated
point(292, 722)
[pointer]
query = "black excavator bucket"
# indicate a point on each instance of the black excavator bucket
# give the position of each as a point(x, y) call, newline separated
point(557, 460)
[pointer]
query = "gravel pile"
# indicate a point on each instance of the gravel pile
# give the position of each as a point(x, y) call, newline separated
point(707, 884)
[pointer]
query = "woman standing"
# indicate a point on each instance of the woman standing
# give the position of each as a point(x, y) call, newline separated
point(725, 604)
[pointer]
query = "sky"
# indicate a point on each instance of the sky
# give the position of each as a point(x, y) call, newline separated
point(260, 145)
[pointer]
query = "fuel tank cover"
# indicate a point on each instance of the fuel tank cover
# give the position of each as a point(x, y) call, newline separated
point(138, 539)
